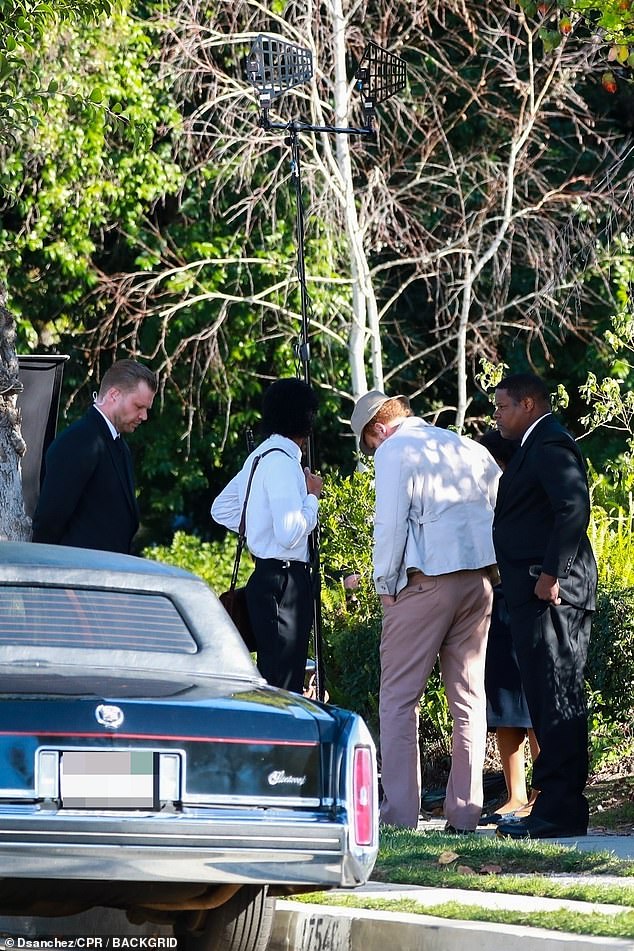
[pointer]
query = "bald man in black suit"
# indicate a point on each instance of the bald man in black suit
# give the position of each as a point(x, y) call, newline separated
point(88, 496)
point(549, 579)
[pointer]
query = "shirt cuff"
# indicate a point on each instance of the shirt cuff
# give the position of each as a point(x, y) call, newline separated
point(312, 501)
point(383, 588)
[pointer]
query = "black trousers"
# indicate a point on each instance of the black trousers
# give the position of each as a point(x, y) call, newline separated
point(280, 603)
point(552, 645)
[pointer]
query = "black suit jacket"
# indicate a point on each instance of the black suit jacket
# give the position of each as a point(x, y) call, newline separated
point(541, 517)
point(87, 497)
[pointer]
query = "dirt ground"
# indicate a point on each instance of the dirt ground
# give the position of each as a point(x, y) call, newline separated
point(611, 798)
point(610, 793)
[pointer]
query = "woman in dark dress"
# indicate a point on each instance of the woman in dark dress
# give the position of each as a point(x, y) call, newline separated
point(507, 711)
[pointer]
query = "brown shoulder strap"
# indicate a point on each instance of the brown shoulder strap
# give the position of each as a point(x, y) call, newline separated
point(242, 527)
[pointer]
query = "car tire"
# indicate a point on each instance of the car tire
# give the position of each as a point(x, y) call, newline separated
point(243, 923)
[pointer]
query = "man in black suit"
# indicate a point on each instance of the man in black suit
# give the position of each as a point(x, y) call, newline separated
point(88, 496)
point(549, 579)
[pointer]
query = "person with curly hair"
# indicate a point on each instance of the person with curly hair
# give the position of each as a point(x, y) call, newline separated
point(280, 516)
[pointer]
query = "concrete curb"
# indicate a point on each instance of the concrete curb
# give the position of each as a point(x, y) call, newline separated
point(323, 928)
point(428, 896)
point(303, 927)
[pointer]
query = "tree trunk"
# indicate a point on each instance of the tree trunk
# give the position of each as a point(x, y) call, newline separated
point(365, 319)
point(461, 348)
point(15, 525)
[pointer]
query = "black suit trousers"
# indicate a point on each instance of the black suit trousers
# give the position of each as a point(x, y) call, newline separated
point(280, 603)
point(551, 642)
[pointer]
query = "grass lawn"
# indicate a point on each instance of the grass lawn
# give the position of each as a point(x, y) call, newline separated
point(485, 863)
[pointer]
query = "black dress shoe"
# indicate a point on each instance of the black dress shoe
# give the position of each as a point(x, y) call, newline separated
point(495, 817)
point(451, 830)
point(534, 828)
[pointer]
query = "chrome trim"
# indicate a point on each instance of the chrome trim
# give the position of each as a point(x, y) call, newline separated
point(282, 802)
point(187, 798)
point(158, 865)
point(60, 748)
point(161, 847)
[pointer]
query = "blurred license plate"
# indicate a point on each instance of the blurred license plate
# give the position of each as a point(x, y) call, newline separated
point(109, 779)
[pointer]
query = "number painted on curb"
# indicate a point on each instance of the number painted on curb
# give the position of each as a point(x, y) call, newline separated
point(323, 934)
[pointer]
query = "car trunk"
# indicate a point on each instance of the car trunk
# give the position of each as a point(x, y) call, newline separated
point(110, 742)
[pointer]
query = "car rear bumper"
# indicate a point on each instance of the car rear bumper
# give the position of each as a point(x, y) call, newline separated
point(149, 847)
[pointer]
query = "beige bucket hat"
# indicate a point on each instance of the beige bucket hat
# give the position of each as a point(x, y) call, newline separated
point(366, 408)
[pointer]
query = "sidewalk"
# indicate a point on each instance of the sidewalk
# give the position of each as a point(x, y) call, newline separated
point(621, 845)
point(303, 927)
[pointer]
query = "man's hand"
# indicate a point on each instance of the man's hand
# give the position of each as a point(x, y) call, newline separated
point(547, 589)
point(314, 482)
point(387, 600)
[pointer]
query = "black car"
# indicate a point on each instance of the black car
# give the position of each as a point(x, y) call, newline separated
point(146, 765)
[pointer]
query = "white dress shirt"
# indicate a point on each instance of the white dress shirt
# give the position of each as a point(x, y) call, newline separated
point(532, 427)
point(435, 496)
point(280, 512)
point(113, 429)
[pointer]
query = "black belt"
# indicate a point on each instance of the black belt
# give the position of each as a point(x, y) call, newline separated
point(281, 563)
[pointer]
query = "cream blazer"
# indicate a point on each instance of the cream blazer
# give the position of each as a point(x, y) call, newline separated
point(435, 496)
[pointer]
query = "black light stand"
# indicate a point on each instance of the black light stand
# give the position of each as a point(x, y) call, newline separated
point(273, 67)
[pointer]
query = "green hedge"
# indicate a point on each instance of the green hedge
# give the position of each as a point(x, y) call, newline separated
point(212, 561)
point(610, 670)
point(352, 620)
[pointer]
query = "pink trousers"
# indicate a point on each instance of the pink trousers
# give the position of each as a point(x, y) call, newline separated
point(445, 616)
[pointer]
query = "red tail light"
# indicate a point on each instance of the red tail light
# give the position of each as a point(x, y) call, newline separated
point(363, 795)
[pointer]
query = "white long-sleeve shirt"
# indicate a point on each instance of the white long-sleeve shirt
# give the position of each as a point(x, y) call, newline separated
point(435, 496)
point(280, 512)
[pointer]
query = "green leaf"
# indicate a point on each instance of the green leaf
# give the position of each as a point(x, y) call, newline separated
point(5, 67)
point(550, 38)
